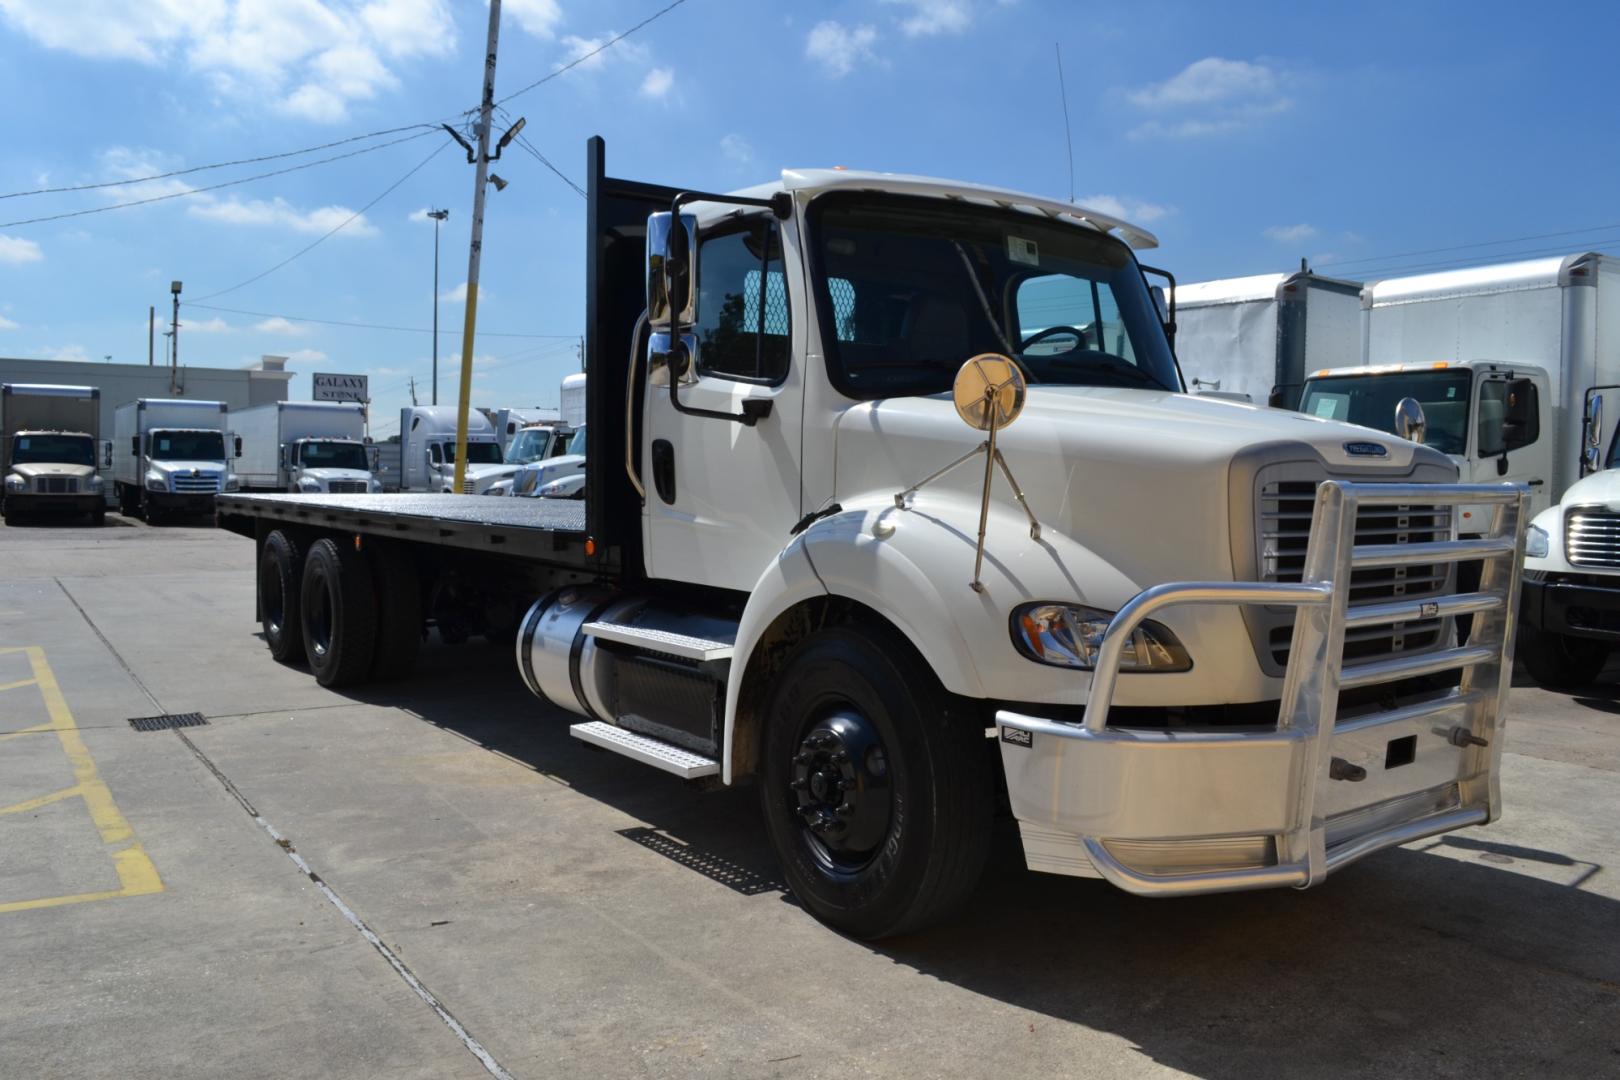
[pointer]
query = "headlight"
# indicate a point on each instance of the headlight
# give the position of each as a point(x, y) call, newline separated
point(375, 485)
point(157, 482)
point(232, 483)
point(1066, 635)
point(16, 483)
point(96, 483)
point(1535, 543)
point(307, 484)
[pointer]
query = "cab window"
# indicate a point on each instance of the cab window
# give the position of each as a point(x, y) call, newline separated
point(742, 324)
point(1509, 417)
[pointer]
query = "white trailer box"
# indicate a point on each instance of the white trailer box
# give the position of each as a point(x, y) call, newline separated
point(50, 450)
point(171, 454)
point(1259, 336)
point(427, 450)
point(304, 446)
point(572, 400)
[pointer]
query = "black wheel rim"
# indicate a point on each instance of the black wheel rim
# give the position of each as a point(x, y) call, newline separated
point(840, 789)
point(319, 619)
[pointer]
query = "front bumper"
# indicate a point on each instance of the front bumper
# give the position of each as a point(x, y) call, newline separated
point(28, 502)
point(1181, 812)
point(182, 503)
point(1575, 608)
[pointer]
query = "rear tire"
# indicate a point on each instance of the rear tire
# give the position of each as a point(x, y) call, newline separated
point(1561, 660)
point(876, 785)
point(338, 612)
point(399, 612)
point(280, 566)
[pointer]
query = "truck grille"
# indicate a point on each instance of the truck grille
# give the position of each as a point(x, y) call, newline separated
point(347, 487)
point(1284, 530)
point(57, 485)
point(1592, 537)
point(196, 485)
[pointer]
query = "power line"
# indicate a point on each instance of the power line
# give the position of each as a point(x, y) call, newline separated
point(215, 187)
point(578, 60)
point(217, 165)
point(523, 141)
point(1468, 247)
point(338, 228)
point(364, 326)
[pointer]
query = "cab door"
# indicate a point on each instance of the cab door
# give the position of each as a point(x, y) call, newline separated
point(1513, 433)
point(723, 494)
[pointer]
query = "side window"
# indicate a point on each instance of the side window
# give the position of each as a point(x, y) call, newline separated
point(742, 308)
point(434, 455)
point(1509, 415)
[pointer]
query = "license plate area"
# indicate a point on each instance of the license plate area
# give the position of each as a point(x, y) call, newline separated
point(1399, 758)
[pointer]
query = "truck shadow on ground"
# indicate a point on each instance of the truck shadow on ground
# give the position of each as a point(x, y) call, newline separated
point(1410, 963)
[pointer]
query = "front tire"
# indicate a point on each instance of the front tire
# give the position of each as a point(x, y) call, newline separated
point(338, 612)
point(1561, 660)
point(876, 785)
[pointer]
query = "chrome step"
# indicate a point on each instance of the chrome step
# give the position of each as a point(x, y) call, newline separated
point(645, 749)
point(663, 641)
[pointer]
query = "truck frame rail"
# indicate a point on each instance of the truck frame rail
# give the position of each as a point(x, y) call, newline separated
point(1183, 812)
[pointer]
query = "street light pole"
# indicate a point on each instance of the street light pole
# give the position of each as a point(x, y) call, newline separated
point(174, 331)
point(437, 216)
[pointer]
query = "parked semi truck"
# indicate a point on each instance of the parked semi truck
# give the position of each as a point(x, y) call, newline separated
point(427, 450)
point(507, 423)
point(778, 572)
point(558, 477)
point(304, 446)
point(171, 456)
point(1257, 337)
point(51, 451)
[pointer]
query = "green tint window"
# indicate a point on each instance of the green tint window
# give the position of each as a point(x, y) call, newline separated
point(1061, 313)
point(743, 325)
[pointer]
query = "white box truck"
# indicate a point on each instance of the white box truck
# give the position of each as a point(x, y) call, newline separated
point(427, 450)
point(304, 446)
point(572, 399)
point(51, 451)
point(1193, 671)
point(1257, 337)
point(171, 456)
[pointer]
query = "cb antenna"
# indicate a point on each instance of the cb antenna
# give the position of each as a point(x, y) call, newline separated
point(1063, 95)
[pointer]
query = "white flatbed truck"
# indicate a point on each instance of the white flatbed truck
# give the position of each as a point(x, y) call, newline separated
point(1206, 647)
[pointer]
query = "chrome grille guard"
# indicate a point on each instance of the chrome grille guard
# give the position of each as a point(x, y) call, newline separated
point(1298, 752)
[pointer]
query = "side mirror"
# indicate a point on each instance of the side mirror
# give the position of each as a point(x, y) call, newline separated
point(670, 273)
point(135, 445)
point(238, 446)
point(1594, 422)
point(1161, 303)
point(1410, 422)
point(106, 448)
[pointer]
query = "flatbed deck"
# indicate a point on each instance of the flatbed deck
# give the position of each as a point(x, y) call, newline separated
point(548, 530)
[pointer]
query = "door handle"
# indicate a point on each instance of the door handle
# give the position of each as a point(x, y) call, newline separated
point(1537, 482)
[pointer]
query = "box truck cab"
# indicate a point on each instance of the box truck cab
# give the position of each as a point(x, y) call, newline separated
point(427, 450)
point(172, 456)
point(50, 451)
point(304, 446)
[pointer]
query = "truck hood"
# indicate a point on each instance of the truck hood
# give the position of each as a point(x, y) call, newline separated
point(205, 467)
point(1143, 478)
point(1599, 489)
point(33, 470)
point(328, 475)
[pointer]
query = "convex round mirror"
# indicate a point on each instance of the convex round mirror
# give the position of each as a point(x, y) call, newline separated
point(1409, 420)
point(989, 388)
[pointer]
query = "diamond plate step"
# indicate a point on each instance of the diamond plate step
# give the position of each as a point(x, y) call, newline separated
point(682, 645)
point(647, 750)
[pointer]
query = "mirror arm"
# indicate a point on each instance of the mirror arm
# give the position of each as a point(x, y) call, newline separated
point(780, 205)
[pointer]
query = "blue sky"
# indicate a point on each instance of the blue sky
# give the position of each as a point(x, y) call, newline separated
point(1245, 135)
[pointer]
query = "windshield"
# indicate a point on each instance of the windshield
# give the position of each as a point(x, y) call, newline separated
point(576, 442)
point(911, 288)
point(187, 446)
point(334, 455)
point(52, 450)
point(1370, 400)
point(478, 453)
point(531, 444)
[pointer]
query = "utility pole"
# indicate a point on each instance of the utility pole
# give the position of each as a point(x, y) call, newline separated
point(151, 333)
point(475, 250)
point(413, 391)
point(437, 216)
point(174, 350)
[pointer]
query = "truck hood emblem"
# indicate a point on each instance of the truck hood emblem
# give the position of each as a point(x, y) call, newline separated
point(1365, 449)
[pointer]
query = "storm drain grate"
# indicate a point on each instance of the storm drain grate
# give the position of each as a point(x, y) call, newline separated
point(167, 722)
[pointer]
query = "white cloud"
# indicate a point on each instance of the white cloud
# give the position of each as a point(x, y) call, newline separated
point(388, 371)
point(1212, 96)
point(279, 212)
point(458, 295)
point(215, 325)
point(1135, 211)
point(736, 148)
point(930, 17)
point(309, 356)
point(537, 17)
point(657, 83)
point(7, 324)
point(1290, 234)
point(277, 325)
point(311, 58)
point(16, 250)
point(73, 353)
point(838, 48)
point(584, 50)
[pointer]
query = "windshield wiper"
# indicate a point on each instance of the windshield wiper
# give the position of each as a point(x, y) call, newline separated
point(1114, 366)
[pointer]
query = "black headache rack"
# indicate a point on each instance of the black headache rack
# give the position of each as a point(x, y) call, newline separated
point(602, 535)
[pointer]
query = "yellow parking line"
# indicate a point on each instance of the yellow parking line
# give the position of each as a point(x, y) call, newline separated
point(136, 874)
point(14, 685)
point(47, 726)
